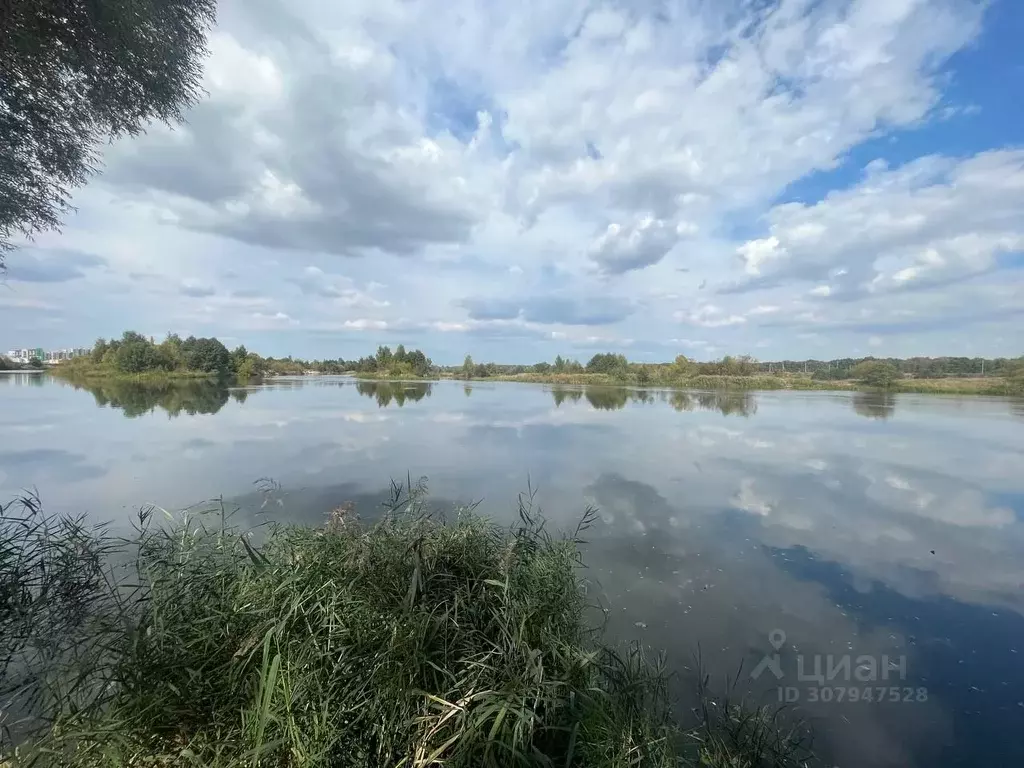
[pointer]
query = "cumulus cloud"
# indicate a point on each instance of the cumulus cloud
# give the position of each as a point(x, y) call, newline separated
point(931, 220)
point(310, 149)
point(578, 169)
point(622, 248)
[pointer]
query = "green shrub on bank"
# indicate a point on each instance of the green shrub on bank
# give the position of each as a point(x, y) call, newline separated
point(408, 642)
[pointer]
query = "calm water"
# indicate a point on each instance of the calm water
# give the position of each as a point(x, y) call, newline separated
point(854, 525)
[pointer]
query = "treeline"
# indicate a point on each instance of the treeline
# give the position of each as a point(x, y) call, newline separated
point(473, 370)
point(6, 364)
point(614, 366)
point(874, 371)
point(387, 363)
point(916, 367)
point(134, 355)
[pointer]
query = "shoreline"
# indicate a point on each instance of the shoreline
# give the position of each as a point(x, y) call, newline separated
point(992, 386)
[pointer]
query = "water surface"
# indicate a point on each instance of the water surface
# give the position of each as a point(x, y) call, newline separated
point(854, 524)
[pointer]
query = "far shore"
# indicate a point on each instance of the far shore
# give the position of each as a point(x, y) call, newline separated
point(991, 385)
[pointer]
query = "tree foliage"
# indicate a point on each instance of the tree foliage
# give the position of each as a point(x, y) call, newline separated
point(609, 363)
point(75, 73)
point(135, 354)
point(208, 355)
point(876, 373)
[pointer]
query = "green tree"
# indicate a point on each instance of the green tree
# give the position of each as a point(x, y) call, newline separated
point(684, 366)
point(77, 74)
point(542, 367)
point(876, 373)
point(135, 356)
point(169, 354)
point(99, 350)
point(239, 356)
point(247, 368)
point(207, 355)
point(467, 367)
point(419, 362)
point(609, 363)
point(559, 364)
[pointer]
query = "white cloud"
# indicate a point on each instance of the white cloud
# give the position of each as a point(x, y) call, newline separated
point(933, 219)
point(645, 242)
point(514, 176)
point(364, 324)
point(709, 316)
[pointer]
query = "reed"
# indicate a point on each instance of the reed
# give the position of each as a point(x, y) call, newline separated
point(412, 641)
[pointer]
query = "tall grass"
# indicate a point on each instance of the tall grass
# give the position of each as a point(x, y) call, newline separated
point(412, 641)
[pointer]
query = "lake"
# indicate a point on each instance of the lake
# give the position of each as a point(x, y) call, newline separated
point(876, 539)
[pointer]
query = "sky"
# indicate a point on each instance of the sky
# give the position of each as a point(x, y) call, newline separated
point(780, 178)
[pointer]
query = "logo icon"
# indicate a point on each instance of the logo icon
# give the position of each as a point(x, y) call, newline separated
point(771, 661)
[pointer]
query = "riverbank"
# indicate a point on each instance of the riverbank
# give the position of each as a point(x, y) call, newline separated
point(404, 642)
point(100, 374)
point(952, 386)
point(376, 376)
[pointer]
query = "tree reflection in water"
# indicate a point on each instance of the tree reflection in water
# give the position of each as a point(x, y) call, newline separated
point(398, 392)
point(135, 398)
point(874, 405)
point(614, 398)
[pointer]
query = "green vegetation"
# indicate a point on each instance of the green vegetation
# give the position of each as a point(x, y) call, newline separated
point(6, 364)
point(875, 373)
point(1001, 376)
point(386, 364)
point(137, 358)
point(77, 75)
point(407, 642)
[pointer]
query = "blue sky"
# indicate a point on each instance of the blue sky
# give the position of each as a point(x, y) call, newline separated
point(786, 179)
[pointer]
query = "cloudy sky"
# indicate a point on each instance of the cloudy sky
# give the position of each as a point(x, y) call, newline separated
point(785, 178)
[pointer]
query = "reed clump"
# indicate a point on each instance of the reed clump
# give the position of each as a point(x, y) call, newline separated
point(410, 641)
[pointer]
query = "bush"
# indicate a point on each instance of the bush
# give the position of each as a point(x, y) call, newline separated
point(876, 373)
point(608, 363)
point(208, 355)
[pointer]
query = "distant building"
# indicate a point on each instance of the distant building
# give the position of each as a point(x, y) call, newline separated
point(28, 354)
point(60, 355)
